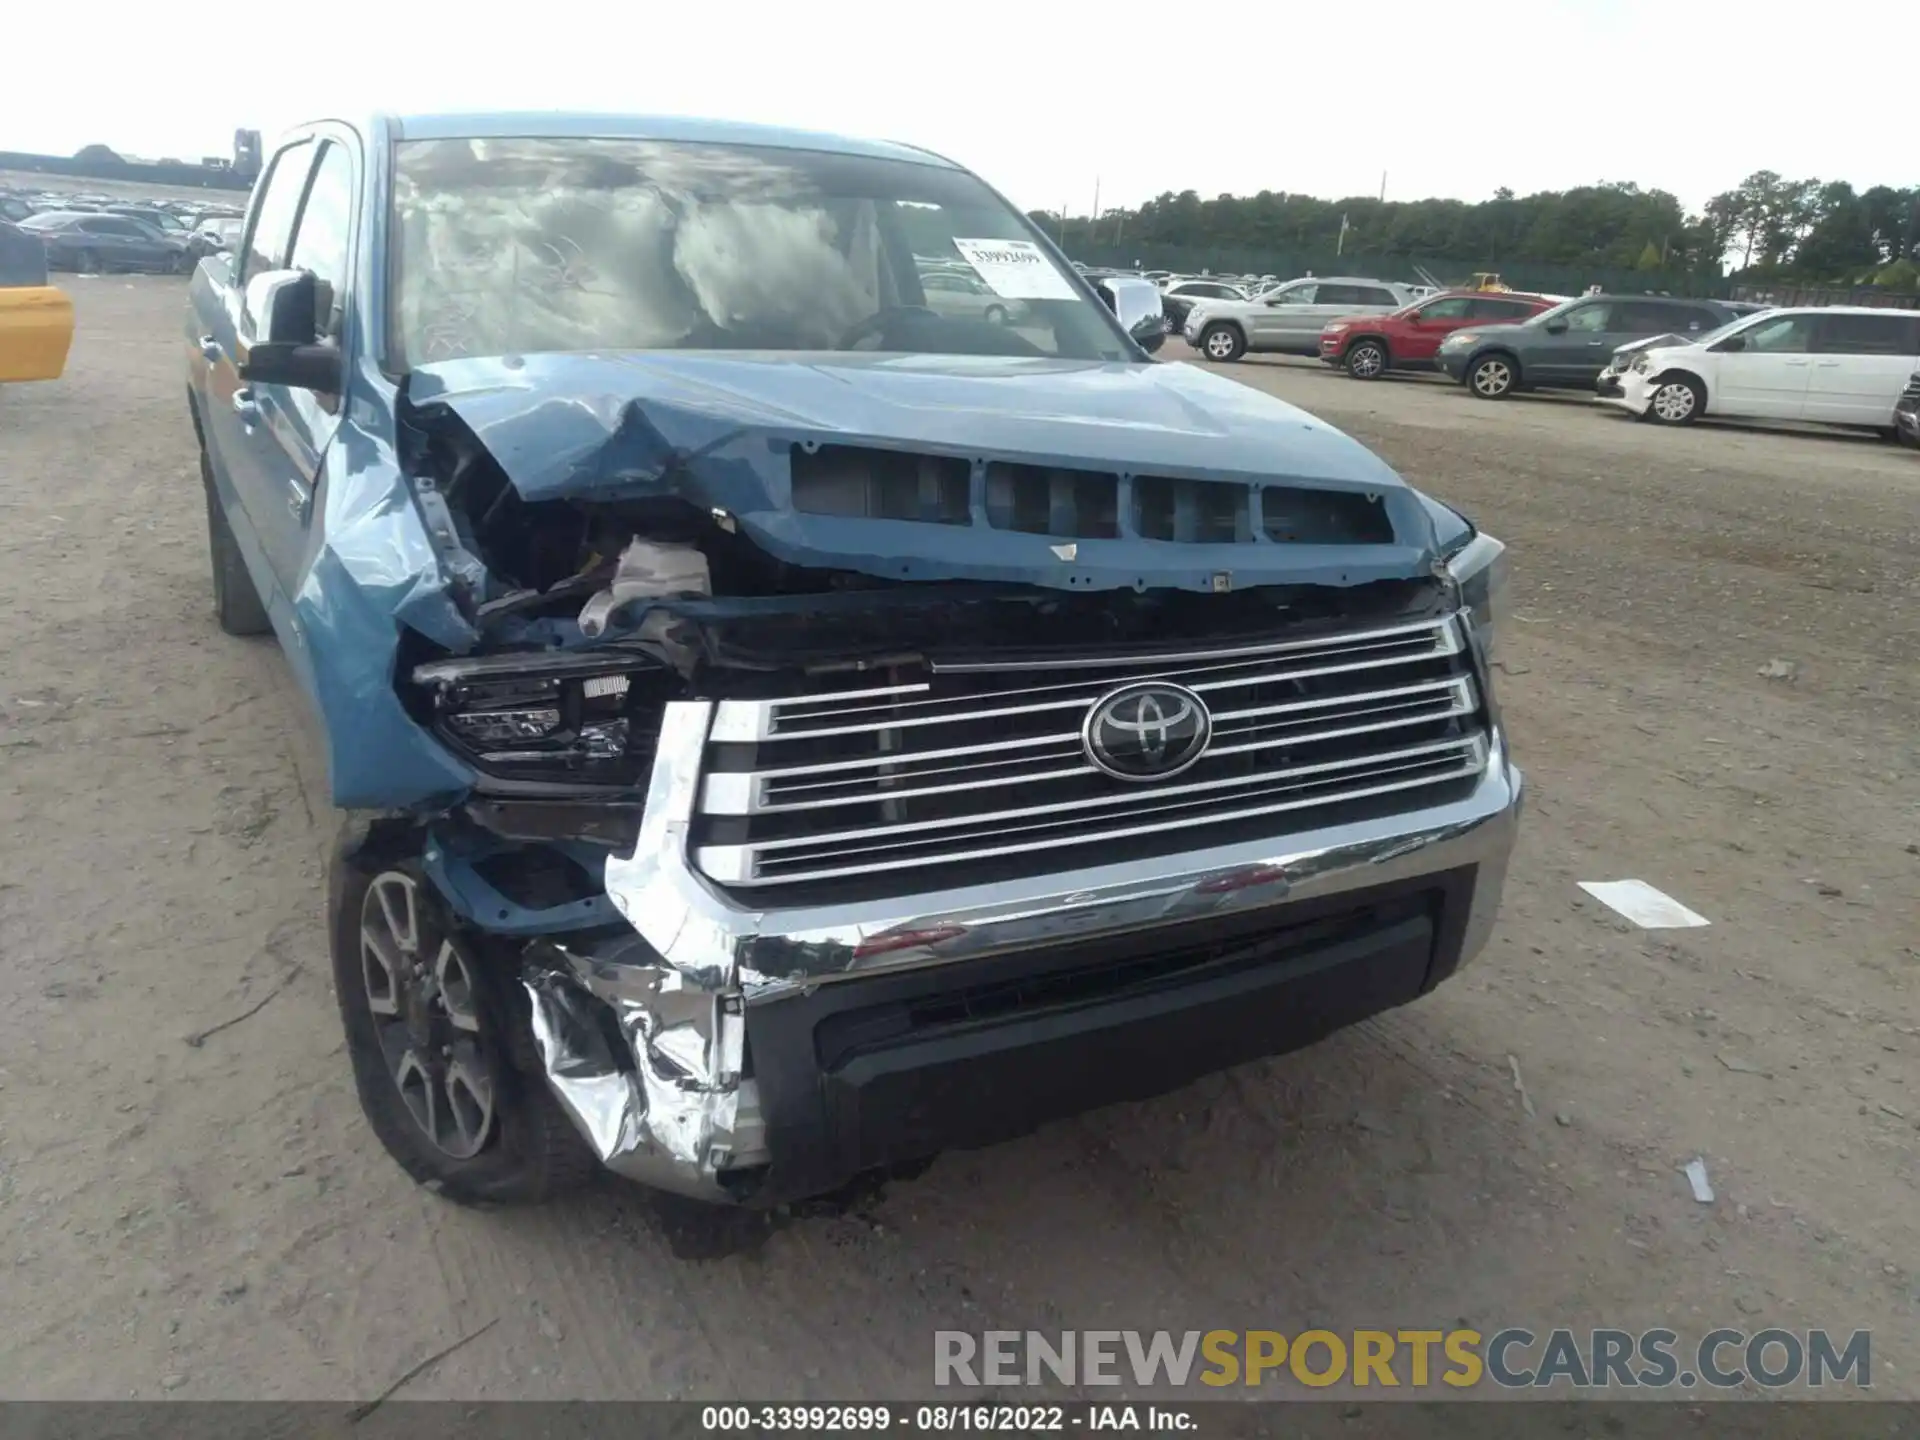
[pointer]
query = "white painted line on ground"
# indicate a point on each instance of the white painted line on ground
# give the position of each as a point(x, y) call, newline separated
point(1645, 906)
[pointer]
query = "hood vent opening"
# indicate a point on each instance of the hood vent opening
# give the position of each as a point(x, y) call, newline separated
point(1295, 516)
point(1195, 512)
point(863, 484)
point(1070, 504)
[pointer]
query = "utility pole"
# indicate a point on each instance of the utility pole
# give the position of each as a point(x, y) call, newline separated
point(1383, 187)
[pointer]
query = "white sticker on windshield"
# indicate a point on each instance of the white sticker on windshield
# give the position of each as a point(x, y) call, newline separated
point(1016, 269)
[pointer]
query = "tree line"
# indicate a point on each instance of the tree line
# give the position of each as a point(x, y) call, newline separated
point(1811, 231)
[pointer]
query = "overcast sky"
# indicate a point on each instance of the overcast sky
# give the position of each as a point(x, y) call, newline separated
point(1042, 97)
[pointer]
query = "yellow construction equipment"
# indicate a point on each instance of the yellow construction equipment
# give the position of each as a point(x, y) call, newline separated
point(36, 319)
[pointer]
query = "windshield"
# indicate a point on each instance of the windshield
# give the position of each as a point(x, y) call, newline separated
point(46, 220)
point(1739, 322)
point(513, 246)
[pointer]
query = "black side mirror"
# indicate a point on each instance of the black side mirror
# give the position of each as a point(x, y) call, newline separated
point(282, 308)
point(1556, 327)
point(1732, 342)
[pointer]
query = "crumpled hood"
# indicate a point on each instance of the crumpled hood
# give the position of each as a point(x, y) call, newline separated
point(718, 429)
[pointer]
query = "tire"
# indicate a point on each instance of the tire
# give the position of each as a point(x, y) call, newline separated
point(1493, 377)
point(236, 601)
point(1676, 400)
point(87, 262)
point(1222, 342)
point(1366, 359)
point(525, 1150)
point(996, 315)
point(181, 264)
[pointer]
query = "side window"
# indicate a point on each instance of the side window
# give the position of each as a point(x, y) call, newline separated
point(1340, 295)
point(1374, 295)
point(1453, 307)
point(1869, 335)
point(1299, 295)
point(1645, 317)
point(1781, 335)
point(273, 212)
point(1590, 319)
point(320, 242)
point(1481, 307)
point(1700, 321)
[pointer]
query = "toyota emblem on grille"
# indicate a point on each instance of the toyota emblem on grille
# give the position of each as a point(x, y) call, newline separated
point(1147, 732)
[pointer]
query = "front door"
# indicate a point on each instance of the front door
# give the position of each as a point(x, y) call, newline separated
point(1860, 365)
point(250, 427)
point(1284, 317)
point(1764, 370)
point(1581, 350)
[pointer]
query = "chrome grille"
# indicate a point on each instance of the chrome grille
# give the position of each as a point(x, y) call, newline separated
point(980, 762)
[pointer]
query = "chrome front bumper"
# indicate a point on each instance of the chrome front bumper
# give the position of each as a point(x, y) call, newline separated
point(701, 958)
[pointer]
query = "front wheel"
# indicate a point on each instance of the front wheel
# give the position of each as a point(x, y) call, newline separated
point(431, 1025)
point(1367, 360)
point(1492, 377)
point(1675, 401)
point(996, 315)
point(1222, 342)
point(87, 262)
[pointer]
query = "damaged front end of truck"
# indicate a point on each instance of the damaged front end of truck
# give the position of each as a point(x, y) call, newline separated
point(665, 686)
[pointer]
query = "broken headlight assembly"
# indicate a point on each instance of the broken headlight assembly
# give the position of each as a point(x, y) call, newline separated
point(567, 720)
point(1479, 568)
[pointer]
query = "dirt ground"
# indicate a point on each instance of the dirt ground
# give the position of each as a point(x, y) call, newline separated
point(203, 1214)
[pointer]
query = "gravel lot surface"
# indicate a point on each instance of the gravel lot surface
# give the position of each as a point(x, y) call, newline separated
point(199, 1211)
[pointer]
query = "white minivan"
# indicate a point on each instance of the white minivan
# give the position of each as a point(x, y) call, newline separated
point(1835, 364)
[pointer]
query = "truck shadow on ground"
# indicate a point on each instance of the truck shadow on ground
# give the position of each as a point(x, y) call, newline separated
point(1378, 1141)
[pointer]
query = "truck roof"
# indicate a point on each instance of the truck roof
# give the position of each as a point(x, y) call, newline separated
point(543, 123)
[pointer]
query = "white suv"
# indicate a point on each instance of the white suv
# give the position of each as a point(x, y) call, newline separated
point(1838, 365)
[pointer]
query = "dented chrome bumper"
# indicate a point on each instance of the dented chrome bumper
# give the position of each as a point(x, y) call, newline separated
point(675, 1111)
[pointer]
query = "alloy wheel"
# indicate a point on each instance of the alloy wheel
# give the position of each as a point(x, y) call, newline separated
point(1366, 361)
point(420, 988)
point(1220, 345)
point(1492, 377)
point(1673, 402)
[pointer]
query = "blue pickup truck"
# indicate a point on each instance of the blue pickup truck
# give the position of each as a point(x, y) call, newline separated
point(789, 724)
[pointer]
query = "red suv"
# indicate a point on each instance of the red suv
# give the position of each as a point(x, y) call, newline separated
point(1407, 338)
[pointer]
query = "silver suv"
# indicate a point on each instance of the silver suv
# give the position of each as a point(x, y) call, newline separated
point(1288, 318)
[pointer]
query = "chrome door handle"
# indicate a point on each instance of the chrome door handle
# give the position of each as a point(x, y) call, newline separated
point(1828, 364)
point(246, 406)
point(209, 348)
point(1591, 343)
point(1796, 363)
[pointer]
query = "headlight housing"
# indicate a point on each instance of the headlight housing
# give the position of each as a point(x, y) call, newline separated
point(1459, 338)
point(578, 720)
point(1642, 364)
point(1480, 569)
point(1339, 327)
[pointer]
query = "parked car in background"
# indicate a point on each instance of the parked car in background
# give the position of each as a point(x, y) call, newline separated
point(1178, 297)
point(165, 221)
point(36, 319)
point(94, 244)
point(1906, 413)
point(213, 237)
point(1289, 318)
point(968, 297)
point(1568, 346)
point(1367, 346)
point(1834, 365)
